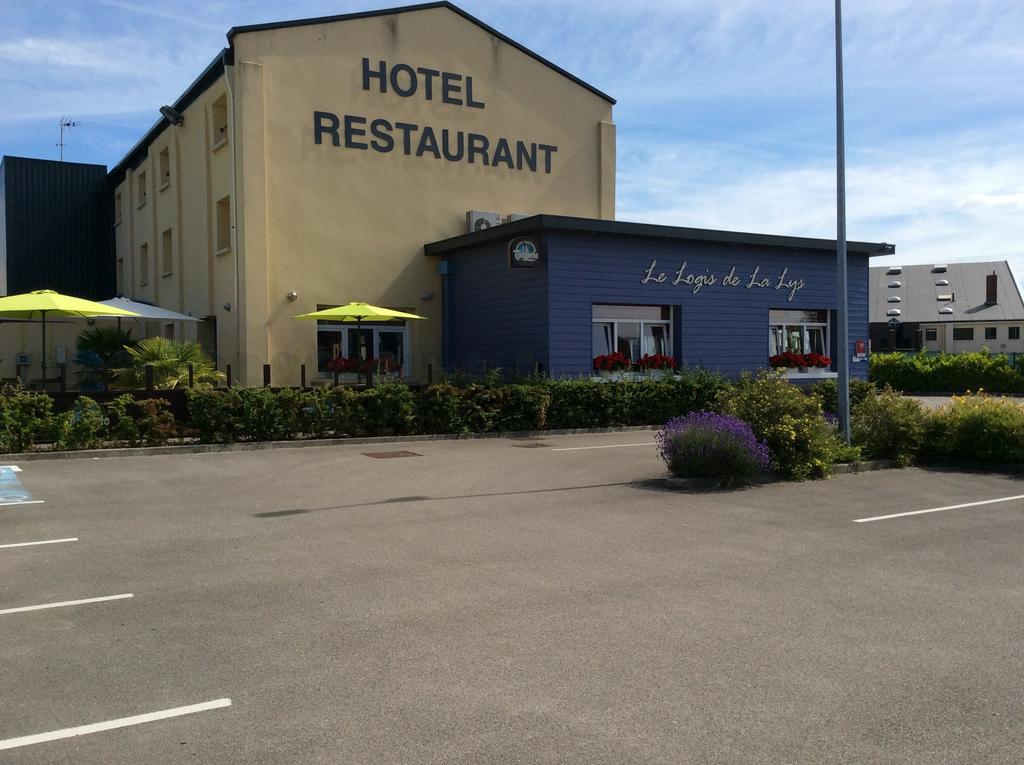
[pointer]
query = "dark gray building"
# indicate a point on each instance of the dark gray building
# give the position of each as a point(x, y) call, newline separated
point(953, 307)
point(56, 228)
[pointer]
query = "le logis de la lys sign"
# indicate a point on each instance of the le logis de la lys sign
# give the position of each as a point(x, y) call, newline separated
point(695, 282)
point(356, 131)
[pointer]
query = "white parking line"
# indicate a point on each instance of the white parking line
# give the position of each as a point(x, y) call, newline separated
point(939, 509)
point(41, 542)
point(23, 502)
point(12, 468)
point(610, 446)
point(66, 603)
point(123, 722)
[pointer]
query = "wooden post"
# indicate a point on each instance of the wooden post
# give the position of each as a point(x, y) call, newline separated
point(266, 375)
point(228, 367)
point(191, 375)
point(335, 377)
point(63, 377)
point(150, 384)
point(302, 375)
point(369, 376)
point(430, 374)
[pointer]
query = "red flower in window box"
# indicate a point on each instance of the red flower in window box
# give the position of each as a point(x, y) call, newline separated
point(657, 361)
point(342, 364)
point(817, 360)
point(611, 362)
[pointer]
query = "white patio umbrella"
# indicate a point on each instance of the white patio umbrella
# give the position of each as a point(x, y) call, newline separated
point(146, 311)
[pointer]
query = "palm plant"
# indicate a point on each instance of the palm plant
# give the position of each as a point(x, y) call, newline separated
point(100, 351)
point(170, 360)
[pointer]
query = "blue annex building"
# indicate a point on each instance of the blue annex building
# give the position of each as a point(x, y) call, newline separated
point(555, 292)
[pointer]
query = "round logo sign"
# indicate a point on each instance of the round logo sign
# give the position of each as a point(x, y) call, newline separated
point(524, 252)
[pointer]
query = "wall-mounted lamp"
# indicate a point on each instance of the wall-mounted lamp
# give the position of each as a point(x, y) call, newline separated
point(227, 306)
point(428, 295)
point(292, 296)
point(172, 115)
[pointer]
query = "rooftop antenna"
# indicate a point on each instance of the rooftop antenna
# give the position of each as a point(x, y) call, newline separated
point(66, 123)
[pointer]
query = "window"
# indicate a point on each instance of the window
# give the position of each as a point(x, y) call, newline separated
point(169, 331)
point(141, 189)
point(165, 169)
point(931, 335)
point(798, 331)
point(963, 333)
point(219, 121)
point(166, 253)
point(385, 341)
point(117, 208)
point(223, 243)
point(144, 265)
point(990, 333)
point(632, 330)
point(1013, 333)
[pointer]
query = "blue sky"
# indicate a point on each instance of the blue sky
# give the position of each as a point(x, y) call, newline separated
point(725, 109)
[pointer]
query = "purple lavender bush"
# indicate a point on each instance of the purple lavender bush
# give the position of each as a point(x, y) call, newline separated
point(710, 445)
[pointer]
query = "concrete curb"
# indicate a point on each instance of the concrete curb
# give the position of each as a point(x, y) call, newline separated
point(250, 446)
point(711, 484)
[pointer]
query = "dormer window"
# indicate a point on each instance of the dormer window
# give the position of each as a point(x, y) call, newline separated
point(944, 296)
point(895, 284)
point(894, 299)
point(895, 270)
point(893, 312)
point(942, 282)
point(939, 269)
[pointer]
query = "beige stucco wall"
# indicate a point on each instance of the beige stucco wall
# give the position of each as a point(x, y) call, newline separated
point(1002, 344)
point(337, 224)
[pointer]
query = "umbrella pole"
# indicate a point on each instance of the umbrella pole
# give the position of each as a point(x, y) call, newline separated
point(44, 349)
point(359, 348)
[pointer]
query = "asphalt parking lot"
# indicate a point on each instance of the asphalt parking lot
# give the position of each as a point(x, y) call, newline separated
point(504, 601)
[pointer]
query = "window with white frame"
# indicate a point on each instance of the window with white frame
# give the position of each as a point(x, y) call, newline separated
point(386, 342)
point(798, 331)
point(632, 330)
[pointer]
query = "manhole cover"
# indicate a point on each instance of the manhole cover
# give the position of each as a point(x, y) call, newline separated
point(390, 455)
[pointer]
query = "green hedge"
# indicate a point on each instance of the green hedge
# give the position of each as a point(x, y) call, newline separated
point(946, 372)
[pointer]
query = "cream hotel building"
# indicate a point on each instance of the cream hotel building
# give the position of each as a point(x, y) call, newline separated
point(311, 161)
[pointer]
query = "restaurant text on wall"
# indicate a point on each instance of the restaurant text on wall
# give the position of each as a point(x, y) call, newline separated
point(755, 279)
point(355, 131)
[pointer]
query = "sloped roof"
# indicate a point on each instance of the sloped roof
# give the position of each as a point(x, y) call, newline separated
point(224, 58)
point(919, 289)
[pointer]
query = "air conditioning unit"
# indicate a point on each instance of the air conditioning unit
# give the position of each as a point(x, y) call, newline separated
point(478, 220)
point(512, 217)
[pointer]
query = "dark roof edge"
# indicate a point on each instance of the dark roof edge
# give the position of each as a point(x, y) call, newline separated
point(419, 7)
point(648, 230)
point(136, 154)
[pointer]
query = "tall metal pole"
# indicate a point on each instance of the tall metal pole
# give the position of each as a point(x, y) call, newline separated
point(842, 331)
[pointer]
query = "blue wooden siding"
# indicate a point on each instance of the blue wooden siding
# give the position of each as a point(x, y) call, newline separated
point(498, 315)
point(502, 316)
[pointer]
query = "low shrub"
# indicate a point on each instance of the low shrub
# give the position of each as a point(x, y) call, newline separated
point(976, 429)
point(84, 426)
point(827, 392)
point(142, 422)
point(710, 445)
point(209, 415)
point(582, 404)
point(388, 409)
point(25, 418)
point(888, 425)
point(802, 443)
point(946, 372)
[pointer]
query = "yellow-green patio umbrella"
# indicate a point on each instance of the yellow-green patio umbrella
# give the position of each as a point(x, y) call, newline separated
point(44, 302)
point(358, 313)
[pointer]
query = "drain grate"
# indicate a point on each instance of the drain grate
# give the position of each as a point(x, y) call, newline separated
point(531, 445)
point(390, 455)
